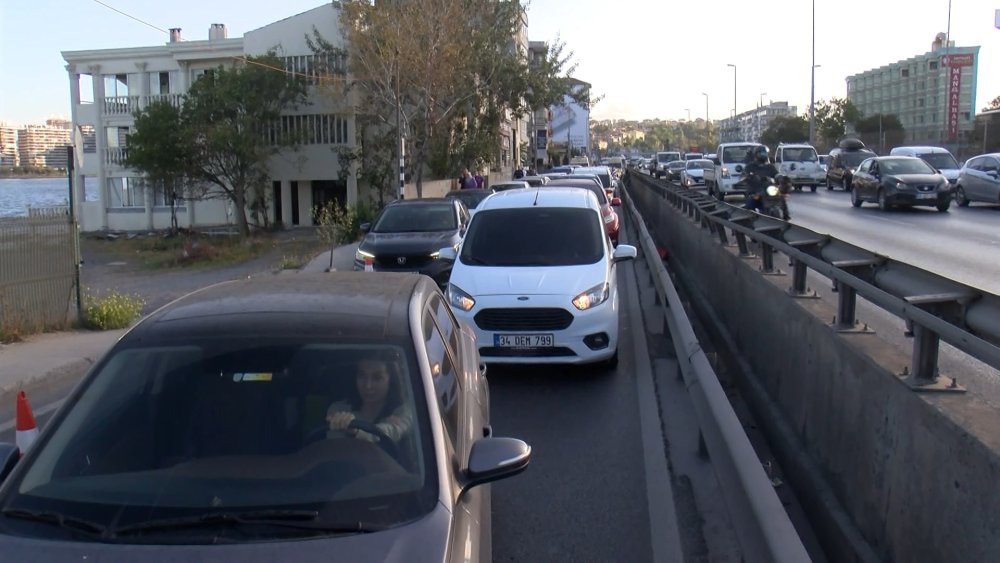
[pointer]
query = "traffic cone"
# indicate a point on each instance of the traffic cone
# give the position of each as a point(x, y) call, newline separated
point(368, 264)
point(26, 430)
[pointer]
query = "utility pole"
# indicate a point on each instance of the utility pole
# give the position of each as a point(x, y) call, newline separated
point(400, 149)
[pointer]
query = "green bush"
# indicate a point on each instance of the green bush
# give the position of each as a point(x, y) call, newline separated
point(111, 311)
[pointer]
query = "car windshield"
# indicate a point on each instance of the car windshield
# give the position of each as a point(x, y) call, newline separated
point(853, 159)
point(699, 164)
point(736, 154)
point(534, 236)
point(677, 165)
point(416, 218)
point(666, 157)
point(940, 160)
point(904, 166)
point(804, 154)
point(470, 198)
point(191, 427)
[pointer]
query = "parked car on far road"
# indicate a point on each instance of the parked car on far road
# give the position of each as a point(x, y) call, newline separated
point(979, 180)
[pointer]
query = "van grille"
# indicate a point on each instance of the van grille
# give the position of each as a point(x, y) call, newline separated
point(524, 318)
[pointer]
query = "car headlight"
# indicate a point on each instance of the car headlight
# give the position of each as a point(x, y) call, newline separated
point(902, 186)
point(360, 255)
point(459, 298)
point(435, 255)
point(592, 297)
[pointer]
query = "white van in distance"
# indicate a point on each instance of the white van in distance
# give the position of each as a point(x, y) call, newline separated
point(937, 157)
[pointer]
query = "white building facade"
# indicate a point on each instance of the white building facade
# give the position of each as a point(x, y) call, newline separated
point(125, 80)
point(571, 122)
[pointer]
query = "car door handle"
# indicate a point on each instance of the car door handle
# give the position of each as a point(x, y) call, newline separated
point(487, 431)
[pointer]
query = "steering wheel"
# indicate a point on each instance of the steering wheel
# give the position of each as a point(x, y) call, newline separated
point(384, 441)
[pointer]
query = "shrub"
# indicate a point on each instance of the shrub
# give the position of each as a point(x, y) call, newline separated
point(114, 310)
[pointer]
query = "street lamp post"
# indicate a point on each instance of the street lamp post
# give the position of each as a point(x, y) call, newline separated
point(689, 113)
point(734, 88)
point(760, 110)
point(812, 81)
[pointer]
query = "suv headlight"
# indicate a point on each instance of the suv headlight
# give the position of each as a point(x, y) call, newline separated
point(592, 297)
point(459, 298)
point(360, 255)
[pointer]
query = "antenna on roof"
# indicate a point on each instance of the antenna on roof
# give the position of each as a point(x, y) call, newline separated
point(535, 203)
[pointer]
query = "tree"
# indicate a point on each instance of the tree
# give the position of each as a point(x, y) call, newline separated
point(832, 118)
point(881, 131)
point(232, 119)
point(159, 148)
point(994, 104)
point(785, 128)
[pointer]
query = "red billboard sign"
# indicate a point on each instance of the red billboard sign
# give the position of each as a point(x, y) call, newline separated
point(954, 64)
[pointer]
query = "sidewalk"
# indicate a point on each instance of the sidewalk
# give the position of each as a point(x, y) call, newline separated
point(45, 361)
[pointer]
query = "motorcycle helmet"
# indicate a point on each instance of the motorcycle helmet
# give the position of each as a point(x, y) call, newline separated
point(761, 154)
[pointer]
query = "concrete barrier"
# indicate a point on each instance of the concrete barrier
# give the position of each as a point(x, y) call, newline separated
point(915, 473)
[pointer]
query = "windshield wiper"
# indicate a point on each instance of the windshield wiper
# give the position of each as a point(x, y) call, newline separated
point(299, 519)
point(476, 261)
point(61, 520)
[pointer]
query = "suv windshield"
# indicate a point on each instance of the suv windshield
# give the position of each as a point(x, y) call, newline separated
point(940, 160)
point(905, 166)
point(803, 154)
point(534, 236)
point(194, 427)
point(854, 158)
point(416, 218)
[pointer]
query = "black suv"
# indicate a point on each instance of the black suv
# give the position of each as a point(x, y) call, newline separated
point(844, 160)
point(407, 235)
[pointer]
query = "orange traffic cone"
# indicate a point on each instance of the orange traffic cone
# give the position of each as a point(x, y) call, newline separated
point(26, 430)
point(368, 264)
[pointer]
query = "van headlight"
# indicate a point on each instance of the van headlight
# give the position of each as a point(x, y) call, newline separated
point(592, 297)
point(459, 298)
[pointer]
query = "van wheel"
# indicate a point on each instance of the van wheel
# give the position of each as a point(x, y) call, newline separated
point(829, 185)
point(960, 198)
point(813, 188)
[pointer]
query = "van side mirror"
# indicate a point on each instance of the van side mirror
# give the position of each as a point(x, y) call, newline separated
point(365, 227)
point(716, 161)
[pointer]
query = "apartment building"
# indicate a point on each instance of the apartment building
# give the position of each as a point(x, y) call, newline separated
point(43, 145)
point(541, 118)
point(8, 145)
point(750, 125)
point(127, 79)
point(935, 100)
point(570, 122)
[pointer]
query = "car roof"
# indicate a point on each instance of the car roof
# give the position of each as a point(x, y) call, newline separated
point(422, 201)
point(592, 170)
point(795, 146)
point(920, 149)
point(704, 160)
point(352, 304)
point(549, 196)
point(454, 193)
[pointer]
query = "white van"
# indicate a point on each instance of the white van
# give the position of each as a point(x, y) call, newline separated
point(937, 157)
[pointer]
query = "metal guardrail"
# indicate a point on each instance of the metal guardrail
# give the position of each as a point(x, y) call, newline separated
point(765, 532)
point(935, 308)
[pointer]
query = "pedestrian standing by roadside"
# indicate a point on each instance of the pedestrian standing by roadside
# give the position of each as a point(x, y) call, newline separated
point(480, 179)
point(466, 181)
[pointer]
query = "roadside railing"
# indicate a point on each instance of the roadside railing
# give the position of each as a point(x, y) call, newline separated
point(764, 529)
point(934, 308)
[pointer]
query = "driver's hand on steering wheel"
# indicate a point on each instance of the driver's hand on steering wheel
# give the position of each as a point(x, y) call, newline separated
point(340, 421)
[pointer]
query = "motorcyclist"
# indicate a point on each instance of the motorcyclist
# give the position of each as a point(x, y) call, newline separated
point(758, 174)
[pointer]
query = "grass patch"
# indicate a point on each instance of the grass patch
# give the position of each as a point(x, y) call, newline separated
point(111, 311)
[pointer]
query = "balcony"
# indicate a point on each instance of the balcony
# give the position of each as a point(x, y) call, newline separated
point(115, 156)
point(172, 99)
point(120, 105)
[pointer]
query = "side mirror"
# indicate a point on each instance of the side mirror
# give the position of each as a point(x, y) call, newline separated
point(492, 459)
point(717, 162)
point(9, 455)
point(993, 174)
point(365, 227)
point(448, 253)
point(616, 201)
point(624, 252)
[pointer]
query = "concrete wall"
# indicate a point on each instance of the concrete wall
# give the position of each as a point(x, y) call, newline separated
point(917, 473)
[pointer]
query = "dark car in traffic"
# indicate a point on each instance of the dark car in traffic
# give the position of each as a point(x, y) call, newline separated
point(234, 424)
point(407, 235)
point(844, 160)
point(906, 181)
point(470, 198)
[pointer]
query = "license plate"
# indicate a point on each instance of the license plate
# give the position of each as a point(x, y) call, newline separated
point(926, 196)
point(523, 340)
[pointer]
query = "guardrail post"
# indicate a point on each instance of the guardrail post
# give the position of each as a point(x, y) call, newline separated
point(741, 239)
point(926, 345)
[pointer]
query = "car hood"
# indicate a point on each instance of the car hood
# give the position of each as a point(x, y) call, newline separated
point(916, 178)
point(533, 280)
point(424, 540)
point(408, 243)
point(696, 172)
point(950, 173)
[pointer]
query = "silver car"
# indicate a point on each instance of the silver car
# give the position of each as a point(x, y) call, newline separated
point(979, 180)
point(333, 417)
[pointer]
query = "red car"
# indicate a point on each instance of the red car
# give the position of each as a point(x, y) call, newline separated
point(611, 223)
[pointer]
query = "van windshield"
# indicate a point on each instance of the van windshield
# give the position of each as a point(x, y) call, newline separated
point(803, 154)
point(736, 154)
point(940, 160)
point(534, 236)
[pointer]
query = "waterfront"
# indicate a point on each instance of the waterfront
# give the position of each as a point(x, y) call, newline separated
point(17, 195)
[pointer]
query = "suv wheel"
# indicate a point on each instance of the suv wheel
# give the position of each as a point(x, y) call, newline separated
point(856, 198)
point(960, 198)
point(846, 184)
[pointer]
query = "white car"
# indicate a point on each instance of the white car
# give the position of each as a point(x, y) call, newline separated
point(693, 174)
point(535, 277)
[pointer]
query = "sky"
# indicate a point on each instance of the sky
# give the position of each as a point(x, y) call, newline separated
point(647, 58)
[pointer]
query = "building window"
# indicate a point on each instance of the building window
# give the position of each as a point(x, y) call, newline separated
point(904, 73)
point(126, 192)
point(932, 65)
point(115, 85)
point(920, 102)
point(965, 115)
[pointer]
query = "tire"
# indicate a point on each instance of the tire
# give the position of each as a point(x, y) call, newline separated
point(720, 196)
point(846, 184)
point(960, 199)
point(856, 198)
point(829, 185)
point(943, 207)
point(883, 202)
point(813, 188)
